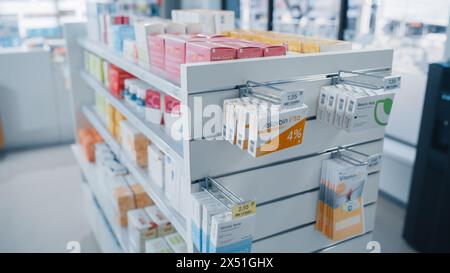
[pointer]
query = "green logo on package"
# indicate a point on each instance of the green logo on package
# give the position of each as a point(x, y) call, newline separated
point(382, 111)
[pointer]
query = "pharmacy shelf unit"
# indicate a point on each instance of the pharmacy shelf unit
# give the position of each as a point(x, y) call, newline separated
point(285, 184)
point(140, 174)
point(154, 132)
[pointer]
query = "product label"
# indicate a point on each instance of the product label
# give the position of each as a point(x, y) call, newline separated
point(172, 105)
point(153, 99)
point(392, 82)
point(291, 98)
point(245, 209)
point(374, 160)
point(274, 131)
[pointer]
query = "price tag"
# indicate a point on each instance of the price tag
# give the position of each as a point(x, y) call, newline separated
point(244, 209)
point(392, 82)
point(291, 98)
point(374, 160)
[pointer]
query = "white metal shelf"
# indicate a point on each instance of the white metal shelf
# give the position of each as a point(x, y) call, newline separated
point(119, 60)
point(155, 133)
point(141, 174)
point(88, 169)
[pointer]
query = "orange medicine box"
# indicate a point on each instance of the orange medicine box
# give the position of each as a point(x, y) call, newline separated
point(273, 130)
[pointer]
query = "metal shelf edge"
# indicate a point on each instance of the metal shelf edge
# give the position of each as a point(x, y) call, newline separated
point(119, 60)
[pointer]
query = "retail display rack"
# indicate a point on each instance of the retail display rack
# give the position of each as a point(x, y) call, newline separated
point(284, 184)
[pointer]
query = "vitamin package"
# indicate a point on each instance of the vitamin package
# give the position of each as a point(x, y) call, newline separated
point(340, 208)
point(220, 226)
point(262, 126)
point(354, 108)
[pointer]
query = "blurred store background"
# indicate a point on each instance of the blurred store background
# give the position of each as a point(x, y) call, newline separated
point(34, 76)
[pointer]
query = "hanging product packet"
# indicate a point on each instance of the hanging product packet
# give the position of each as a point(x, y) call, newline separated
point(265, 122)
point(340, 208)
point(355, 108)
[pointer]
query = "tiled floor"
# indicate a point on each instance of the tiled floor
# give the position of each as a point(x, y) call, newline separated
point(41, 206)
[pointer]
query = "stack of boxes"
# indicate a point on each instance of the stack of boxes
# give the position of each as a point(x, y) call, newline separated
point(354, 108)
point(134, 143)
point(87, 139)
point(94, 65)
point(217, 228)
point(150, 231)
point(261, 127)
point(113, 119)
point(156, 169)
point(115, 182)
point(213, 21)
point(168, 52)
point(116, 79)
point(128, 205)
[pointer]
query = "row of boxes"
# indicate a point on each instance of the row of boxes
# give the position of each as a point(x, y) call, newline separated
point(144, 99)
point(260, 127)
point(146, 224)
point(102, 15)
point(169, 51)
point(133, 208)
point(114, 182)
point(162, 169)
point(294, 42)
point(219, 225)
point(134, 143)
point(354, 108)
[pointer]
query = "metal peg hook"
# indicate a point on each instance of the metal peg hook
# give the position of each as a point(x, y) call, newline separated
point(340, 153)
point(388, 82)
point(209, 185)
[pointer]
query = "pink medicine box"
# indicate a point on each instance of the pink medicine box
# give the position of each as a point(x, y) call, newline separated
point(269, 50)
point(175, 54)
point(244, 50)
point(156, 48)
point(207, 52)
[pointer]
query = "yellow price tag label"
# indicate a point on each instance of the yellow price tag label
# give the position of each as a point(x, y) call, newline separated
point(244, 209)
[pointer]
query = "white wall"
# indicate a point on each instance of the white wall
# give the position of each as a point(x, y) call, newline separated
point(33, 105)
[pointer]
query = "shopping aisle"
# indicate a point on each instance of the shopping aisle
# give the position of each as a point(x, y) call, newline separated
point(389, 227)
point(41, 202)
point(42, 205)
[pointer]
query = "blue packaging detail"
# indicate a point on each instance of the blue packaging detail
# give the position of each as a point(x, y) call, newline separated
point(244, 246)
point(140, 102)
point(204, 241)
point(196, 237)
point(120, 33)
